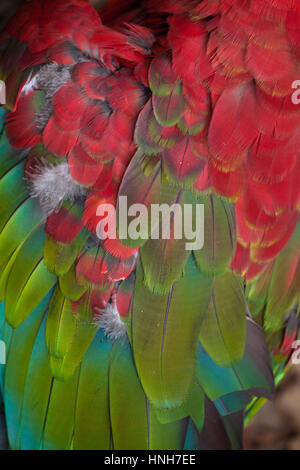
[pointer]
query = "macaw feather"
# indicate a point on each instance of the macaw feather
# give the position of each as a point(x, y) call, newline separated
point(29, 281)
point(223, 325)
point(137, 340)
point(157, 343)
point(219, 235)
point(11, 197)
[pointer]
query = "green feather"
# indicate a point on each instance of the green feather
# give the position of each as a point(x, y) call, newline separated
point(5, 336)
point(22, 343)
point(59, 422)
point(133, 420)
point(13, 191)
point(59, 257)
point(38, 385)
point(92, 418)
point(162, 79)
point(6, 272)
point(223, 326)
point(29, 280)
point(65, 335)
point(281, 296)
point(33, 292)
point(61, 325)
point(257, 291)
point(219, 235)
point(69, 285)
point(164, 258)
point(23, 221)
point(169, 109)
point(164, 335)
point(9, 156)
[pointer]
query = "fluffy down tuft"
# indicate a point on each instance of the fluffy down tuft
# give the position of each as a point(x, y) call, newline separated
point(50, 78)
point(109, 320)
point(51, 185)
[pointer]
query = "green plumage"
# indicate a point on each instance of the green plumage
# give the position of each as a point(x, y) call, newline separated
point(144, 342)
point(165, 346)
point(223, 324)
point(219, 235)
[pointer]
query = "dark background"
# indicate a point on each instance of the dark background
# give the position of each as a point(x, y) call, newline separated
point(277, 425)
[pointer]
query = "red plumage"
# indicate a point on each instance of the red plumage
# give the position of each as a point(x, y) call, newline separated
point(204, 88)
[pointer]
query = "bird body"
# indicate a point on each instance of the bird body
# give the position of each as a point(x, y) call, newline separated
point(143, 341)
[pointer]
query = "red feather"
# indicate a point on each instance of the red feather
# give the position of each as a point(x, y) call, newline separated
point(233, 127)
point(63, 226)
point(21, 128)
